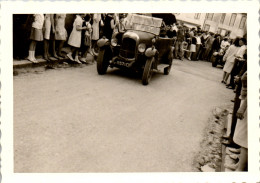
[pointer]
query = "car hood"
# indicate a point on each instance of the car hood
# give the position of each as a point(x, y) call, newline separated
point(139, 36)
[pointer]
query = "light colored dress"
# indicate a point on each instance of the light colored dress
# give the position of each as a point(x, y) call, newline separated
point(95, 26)
point(47, 26)
point(60, 31)
point(38, 21)
point(37, 25)
point(241, 51)
point(230, 58)
point(75, 36)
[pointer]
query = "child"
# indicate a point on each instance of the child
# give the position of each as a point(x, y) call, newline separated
point(86, 39)
point(75, 37)
point(36, 35)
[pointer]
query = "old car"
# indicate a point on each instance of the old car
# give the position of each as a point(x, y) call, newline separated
point(140, 48)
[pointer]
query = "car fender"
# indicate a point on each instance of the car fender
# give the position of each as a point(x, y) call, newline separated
point(103, 42)
point(150, 52)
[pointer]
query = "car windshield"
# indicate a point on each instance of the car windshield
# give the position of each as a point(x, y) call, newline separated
point(143, 23)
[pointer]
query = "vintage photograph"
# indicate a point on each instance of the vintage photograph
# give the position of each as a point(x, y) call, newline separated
point(122, 92)
point(130, 92)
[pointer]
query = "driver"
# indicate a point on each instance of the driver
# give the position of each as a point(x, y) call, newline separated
point(169, 23)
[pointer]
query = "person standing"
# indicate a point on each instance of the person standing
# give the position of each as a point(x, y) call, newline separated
point(198, 45)
point(215, 45)
point(204, 39)
point(48, 30)
point(192, 46)
point(60, 32)
point(122, 23)
point(86, 39)
point(75, 38)
point(208, 47)
point(108, 26)
point(36, 36)
point(178, 44)
point(95, 26)
point(229, 57)
point(95, 30)
point(239, 62)
point(240, 136)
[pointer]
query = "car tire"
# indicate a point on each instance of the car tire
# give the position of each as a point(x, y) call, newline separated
point(148, 71)
point(167, 70)
point(103, 61)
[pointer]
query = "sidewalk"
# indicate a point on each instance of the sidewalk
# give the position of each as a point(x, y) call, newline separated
point(17, 64)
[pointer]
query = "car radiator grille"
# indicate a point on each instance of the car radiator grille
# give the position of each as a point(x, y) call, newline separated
point(128, 48)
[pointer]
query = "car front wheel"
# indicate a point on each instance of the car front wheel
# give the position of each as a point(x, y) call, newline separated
point(148, 71)
point(167, 70)
point(103, 61)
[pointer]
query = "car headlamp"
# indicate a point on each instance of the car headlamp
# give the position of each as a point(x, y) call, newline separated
point(114, 42)
point(141, 47)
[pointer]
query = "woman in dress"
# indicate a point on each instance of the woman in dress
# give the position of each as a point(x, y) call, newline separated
point(60, 32)
point(229, 57)
point(192, 46)
point(95, 26)
point(36, 36)
point(75, 37)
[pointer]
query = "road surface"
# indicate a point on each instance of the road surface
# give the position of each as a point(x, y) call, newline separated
point(74, 120)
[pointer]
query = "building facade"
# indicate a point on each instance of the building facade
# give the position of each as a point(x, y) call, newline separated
point(226, 24)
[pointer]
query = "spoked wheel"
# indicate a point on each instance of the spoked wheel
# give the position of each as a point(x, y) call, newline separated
point(103, 61)
point(148, 71)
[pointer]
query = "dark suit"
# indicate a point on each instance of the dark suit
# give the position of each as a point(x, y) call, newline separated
point(216, 45)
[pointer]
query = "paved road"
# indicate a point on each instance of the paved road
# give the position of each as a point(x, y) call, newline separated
point(74, 120)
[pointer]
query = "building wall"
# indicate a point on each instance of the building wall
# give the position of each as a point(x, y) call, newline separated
point(215, 25)
point(189, 19)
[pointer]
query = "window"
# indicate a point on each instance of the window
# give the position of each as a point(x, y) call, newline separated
point(222, 18)
point(197, 16)
point(206, 27)
point(242, 22)
point(232, 19)
point(209, 16)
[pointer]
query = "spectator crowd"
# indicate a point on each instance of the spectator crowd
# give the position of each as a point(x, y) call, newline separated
point(52, 31)
point(195, 44)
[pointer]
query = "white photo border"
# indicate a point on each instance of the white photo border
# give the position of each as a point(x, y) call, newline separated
point(16, 7)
